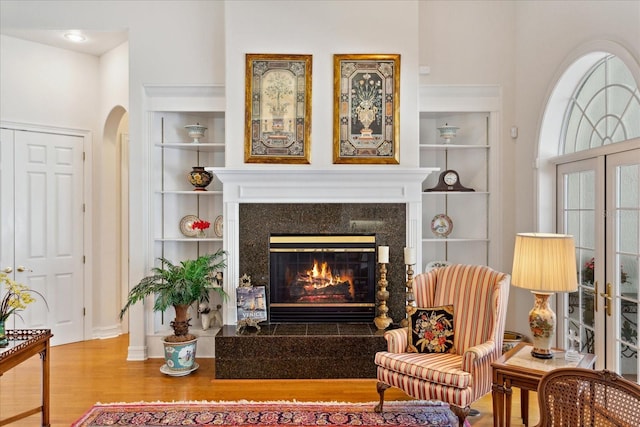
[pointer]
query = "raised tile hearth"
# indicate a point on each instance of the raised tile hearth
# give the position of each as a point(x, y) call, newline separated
point(298, 350)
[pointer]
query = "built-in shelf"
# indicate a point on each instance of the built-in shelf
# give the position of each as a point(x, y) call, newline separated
point(192, 193)
point(192, 146)
point(468, 154)
point(452, 147)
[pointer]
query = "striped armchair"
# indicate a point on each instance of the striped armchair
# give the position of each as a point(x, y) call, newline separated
point(479, 296)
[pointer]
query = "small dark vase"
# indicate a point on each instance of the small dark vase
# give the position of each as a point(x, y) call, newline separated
point(200, 178)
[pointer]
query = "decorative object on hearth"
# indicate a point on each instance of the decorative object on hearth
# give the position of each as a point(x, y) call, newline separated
point(200, 226)
point(544, 263)
point(180, 286)
point(448, 132)
point(251, 305)
point(409, 261)
point(366, 117)
point(16, 298)
point(200, 178)
point(449, 180)
point(196, 131)
point(441, 225)
point(245, 281)
point(382, 321)
point(278, 108)
point(407, 413)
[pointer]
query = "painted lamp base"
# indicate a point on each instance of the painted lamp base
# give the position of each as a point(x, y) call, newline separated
point(542, 321)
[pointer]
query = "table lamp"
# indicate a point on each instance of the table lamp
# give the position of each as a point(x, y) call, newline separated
point(544, 263)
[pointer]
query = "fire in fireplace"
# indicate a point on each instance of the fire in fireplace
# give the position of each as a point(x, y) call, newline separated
point(322, 278)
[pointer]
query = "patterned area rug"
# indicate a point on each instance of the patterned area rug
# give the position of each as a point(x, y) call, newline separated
point(255, 414)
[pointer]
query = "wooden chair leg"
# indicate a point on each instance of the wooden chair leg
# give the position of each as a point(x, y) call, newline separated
point(381, 387)
point(461, 413)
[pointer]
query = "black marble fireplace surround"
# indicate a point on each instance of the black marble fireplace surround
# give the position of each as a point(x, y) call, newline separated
point(311, 350)
point(386, 220)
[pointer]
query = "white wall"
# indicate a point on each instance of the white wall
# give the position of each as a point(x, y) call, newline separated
point(473, 43)
point(321, 29)
point(47, 86)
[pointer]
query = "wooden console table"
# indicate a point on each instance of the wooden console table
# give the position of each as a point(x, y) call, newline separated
point(23, 344)
point(517, 368)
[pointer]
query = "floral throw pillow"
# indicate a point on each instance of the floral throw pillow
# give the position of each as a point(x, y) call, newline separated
point(431, 330)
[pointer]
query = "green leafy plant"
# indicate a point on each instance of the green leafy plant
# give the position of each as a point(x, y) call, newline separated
point(179, 285)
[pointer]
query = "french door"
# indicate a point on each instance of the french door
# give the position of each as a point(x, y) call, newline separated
point(599, 204)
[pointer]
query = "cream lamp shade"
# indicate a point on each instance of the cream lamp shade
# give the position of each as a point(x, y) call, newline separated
point(544, 263)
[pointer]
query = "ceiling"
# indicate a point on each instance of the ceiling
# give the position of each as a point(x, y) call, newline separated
point(97, 42)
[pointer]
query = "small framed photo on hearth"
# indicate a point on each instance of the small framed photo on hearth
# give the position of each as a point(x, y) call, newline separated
point(251, 304)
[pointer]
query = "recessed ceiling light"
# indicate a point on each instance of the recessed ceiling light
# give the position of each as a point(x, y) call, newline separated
point(75, 37)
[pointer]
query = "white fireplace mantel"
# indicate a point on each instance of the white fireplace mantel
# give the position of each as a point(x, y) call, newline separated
point(296, 185)
point(306, 185)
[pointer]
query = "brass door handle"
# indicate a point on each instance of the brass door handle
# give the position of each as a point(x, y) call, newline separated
point(608, 301)
point(7, 270)
point(595, 297)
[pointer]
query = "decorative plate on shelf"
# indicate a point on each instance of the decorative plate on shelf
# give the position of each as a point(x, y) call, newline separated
point(217, 226)
point(441, 225)
point(435, 264)
point(186, 225)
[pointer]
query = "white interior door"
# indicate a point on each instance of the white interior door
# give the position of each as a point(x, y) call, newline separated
point(48, 230)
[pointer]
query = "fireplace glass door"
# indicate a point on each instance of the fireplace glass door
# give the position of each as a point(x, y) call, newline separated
point(322, 278)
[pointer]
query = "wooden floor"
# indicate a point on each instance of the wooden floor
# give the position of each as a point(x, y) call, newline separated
point(97, 371)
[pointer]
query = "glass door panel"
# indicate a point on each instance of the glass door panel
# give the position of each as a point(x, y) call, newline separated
point(578, 207)
point(623, 247)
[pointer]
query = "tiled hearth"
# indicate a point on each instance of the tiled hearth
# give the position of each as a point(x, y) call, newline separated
point(290, 351)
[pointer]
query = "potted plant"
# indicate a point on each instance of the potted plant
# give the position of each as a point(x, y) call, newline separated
point(179, 286)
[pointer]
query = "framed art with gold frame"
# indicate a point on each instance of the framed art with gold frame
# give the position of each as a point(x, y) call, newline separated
point(366, 103)
point(277, 108)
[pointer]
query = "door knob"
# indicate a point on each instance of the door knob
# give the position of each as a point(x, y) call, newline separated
point(608, 300)
point(22, 268)
point(7, 270)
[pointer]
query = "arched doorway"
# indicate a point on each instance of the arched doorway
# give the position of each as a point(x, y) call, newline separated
point(113, 242)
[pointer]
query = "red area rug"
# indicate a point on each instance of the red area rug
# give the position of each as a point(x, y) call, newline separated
point(256, 414)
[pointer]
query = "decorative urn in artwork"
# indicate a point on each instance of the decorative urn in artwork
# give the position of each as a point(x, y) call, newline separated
point(200, 178)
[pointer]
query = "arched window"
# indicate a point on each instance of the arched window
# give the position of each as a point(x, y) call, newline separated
point(604, 109)
point(590, 137)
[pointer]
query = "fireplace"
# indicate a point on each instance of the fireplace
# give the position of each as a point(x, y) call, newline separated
point(262, 201)
point(322, 278)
